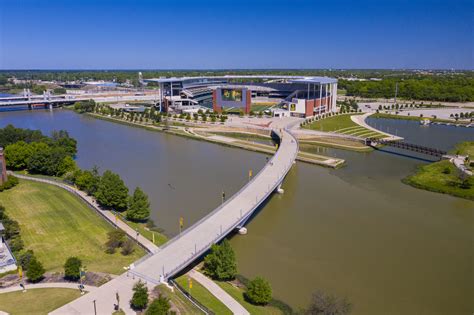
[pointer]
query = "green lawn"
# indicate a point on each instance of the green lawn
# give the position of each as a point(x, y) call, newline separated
point(160, 239)
point(431, 177)
point(465, 148)
point(201, 294)
point(259, 107)
point(342, 124)
point(36, 301)
point(238, 295)
point(56, 225)
point(179, 301)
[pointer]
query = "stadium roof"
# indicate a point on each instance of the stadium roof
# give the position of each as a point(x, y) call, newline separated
point(291, 78)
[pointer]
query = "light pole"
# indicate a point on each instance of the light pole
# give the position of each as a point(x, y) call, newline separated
point(95, 309)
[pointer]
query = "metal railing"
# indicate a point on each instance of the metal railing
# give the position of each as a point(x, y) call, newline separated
point(243, 218)
point(191, 298)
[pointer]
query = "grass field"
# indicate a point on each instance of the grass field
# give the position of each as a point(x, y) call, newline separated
point(179, 301)
point(342, 124)
point(238, 295)
point(432, 177)
point(259, 107)
point(465, 148)
point(56, 225)
point(36, 301)
point(205, 297)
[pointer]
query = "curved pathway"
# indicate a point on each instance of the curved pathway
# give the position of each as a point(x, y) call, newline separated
point(196, 240)
point(360, 120)
point(63, 285)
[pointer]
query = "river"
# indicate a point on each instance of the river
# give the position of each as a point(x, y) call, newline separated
point(356, 232)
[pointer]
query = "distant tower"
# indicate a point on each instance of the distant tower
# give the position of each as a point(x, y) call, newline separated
point(3, 167)
point(140, 78)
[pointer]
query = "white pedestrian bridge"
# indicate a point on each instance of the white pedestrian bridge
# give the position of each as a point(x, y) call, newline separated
point(183, 249)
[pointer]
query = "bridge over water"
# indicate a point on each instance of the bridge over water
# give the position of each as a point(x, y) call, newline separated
point(183, 249)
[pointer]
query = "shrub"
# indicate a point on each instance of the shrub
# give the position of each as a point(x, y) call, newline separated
point(447, 170)
point(72, 268)
point(259, 291)
point(127, 247)
point(35, 271)
point(322, 303)
point(11, 182)
point(140, 296)
point(115, 240)
point(159, 306)
point(24, 258)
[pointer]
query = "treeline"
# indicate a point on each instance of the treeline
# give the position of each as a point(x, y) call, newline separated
point(37, 153)
point(446, 88)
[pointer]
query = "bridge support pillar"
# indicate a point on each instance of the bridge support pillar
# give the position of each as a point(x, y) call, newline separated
point(279, 189)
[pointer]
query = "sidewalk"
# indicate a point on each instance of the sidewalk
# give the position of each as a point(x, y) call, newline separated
point(219, 293)
point(64, 285)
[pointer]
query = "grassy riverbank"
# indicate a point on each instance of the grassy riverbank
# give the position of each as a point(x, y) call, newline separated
point(36, 301)
point(55, 224)
point(417, 118)
point(441, 177)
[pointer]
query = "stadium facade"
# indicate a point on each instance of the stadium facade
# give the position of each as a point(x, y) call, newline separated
point(291, 95)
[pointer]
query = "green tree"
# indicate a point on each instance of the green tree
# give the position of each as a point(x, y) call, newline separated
point(66, 165)
point(88, 181)
point(24, 257)
point(220, 263)
point(139, 206)
point(35, 271)
point(112, 192)
point(259, 291)
point(72, 268)
point(139, 299)
point(17, 155)
point(59, 90)
point(159, 306)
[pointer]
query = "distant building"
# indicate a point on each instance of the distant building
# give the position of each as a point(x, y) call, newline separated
point(3, 167)
point(299, 96)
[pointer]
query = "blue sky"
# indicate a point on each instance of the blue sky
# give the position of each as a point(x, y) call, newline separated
point(135, 34)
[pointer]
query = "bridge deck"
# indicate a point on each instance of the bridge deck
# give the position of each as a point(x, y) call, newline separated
point(183, 249)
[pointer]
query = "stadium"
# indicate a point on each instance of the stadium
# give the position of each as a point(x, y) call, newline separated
point(284, 96)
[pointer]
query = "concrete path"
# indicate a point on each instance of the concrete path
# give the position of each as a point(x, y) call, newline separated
point(196, 240)
point(63, 285)
point(219, 293)
point(108, 215)
point(360, 120)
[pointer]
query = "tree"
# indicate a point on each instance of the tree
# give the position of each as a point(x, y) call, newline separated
point(88, 181)
point(24, 258)
point(220, 264)
point(140, 296)
point(139, 206)
point(325, 304)
point(72, 268)
point(159, 306)
point(259, 291)
point(66, 165)
point(17, 155)
point(35, 270)
point(112, 192)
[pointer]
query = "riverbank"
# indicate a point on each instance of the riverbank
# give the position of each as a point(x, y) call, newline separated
point(445, 177)
point(417, 118)
point(226, 141)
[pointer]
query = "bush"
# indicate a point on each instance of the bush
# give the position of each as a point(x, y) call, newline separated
point(35, 270)
point(127, 247)
point(11, 182)
point(112, 192)
point(322, 304)
point(139, 206)
point(16, 243)
point(24, 258)
point(259, 291)
point(72, 268)
point(447, 170)
point(140, 296)
point(220, 264)
point(116, 238)
point(159, 306)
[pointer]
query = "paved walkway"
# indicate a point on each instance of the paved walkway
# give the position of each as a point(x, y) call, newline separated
point(196, 240)
point(64, 285)
point(219, 293)
point(360, 120)
point(111, 218)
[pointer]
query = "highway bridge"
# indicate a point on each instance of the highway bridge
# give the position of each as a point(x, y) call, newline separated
point(185, 248)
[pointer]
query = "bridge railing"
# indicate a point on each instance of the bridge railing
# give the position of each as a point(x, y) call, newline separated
point(242, 218)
